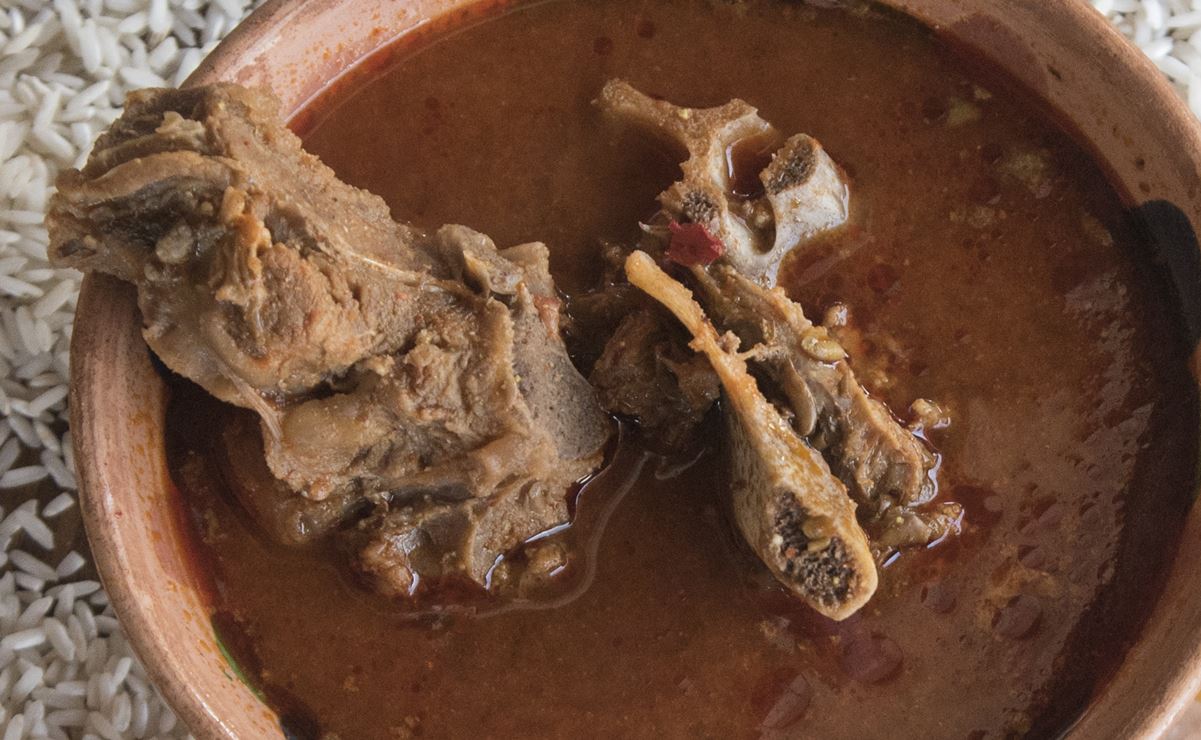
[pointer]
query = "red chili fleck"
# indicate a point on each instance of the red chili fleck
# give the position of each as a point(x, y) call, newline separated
point(692, 244)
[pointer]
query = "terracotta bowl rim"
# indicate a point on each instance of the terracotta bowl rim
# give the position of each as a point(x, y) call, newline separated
point(241, 44)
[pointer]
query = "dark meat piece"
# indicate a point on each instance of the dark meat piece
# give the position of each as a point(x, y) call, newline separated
point(416, 373)
point(790, 508)
point(427, 537)
point(642, 367)
point(285, 516)
point(647, 372)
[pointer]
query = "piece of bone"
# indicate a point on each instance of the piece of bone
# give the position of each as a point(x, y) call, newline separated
point(804, 190)
point(794, 513)
point(867, 448)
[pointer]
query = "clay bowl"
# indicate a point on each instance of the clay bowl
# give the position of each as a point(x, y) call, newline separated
point(1104, 88)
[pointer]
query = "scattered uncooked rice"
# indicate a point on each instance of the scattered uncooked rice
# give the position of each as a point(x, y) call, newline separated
point(65, 667)
point(1169, 31)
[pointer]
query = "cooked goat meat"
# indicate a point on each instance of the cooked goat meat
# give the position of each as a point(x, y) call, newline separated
point(277, 509)
point(427, 537)
point(646, 372)
point(794, 513)
point(804, 192)
point(478, 387)
point(874, 455)
point(389, 368)
point(884, 465)
point(431, 410)
point(642, 367)
point(561, 402)
point(259, 273)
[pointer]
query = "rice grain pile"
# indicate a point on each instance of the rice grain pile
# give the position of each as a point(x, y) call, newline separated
point(1169, 31)
point(66, 670)
point(65, 667)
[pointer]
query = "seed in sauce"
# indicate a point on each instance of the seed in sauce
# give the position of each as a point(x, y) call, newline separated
point(871, 658)
point(1019, 618)
point(934, 109)
point(882, 278)
point(603, 46)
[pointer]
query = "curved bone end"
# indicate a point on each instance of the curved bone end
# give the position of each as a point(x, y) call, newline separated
point(835, 577)
point(622, 99)
point(807, 193)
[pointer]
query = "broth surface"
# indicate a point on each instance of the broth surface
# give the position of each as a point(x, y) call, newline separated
point(990, 268)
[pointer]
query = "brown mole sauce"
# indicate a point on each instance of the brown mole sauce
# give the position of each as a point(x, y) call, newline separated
point(1010, 292)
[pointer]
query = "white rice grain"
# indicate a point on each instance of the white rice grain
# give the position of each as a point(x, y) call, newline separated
point(56, 506)
point(68, 717)
point(9, 452)
point(59, 638)
point(47, 399)
point(35, 527)
point(27, 582)
point(31, 565)
point(24, 431)
point(15, 729)
point(159, 17)
point(85, 588)
point(35, 612)
point(23, 640)
point(18, 477)
point(30, 678)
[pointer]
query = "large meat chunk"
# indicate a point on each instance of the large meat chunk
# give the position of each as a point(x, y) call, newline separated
point(259, 272)
point(391, 370)
point(791, 509)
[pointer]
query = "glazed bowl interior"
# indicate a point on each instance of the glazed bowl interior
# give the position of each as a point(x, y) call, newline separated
point(1062, 52)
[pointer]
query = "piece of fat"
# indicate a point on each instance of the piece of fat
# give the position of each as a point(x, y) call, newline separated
point(793, 512)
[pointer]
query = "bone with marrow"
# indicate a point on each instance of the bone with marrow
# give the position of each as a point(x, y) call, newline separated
point(808, 376)
point(790, 508)
point(804, 192)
